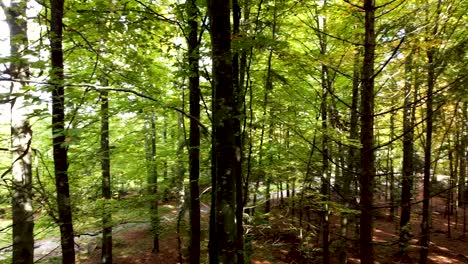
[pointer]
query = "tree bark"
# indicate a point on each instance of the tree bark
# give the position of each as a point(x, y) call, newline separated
point(194, 140)
point(462, 155)
point(367, 136)
point(21, 137)
point(153, 182)
point(325, 179)
point(238, 102)
point(106, 257)
point(425, 226)
point(224, 190)
point(58, 134)
point(431, 80)
point(408, 156)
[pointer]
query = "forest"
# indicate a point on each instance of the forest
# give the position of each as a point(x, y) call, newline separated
point(233, 131)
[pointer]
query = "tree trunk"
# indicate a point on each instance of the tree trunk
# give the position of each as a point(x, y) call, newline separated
point(153, 182)
point(21, 137)
point(325, 179)
point(407, 178)
point(352, 159)
point(194, 140)
point(106, 180)
point(453, 173)
point(238, 102)
point(462, 155)
point(367, 136)
point(425, 225)
point(224, 190)
point(58, 134)
point(391, 167)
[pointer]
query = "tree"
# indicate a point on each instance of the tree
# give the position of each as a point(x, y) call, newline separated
point(106, 180)
point(59, 133)
point(431, 82)
point(152, 181)
point(223, 229)
point(367, 136)
point(21, 135)
point(237, 81)
point(407, 177)
point(194, 141)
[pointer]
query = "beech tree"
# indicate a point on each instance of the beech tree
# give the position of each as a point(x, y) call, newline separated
point(59, 133)
point(367, 175)
point(194, 141)
point(21, 134)
point(223, 228)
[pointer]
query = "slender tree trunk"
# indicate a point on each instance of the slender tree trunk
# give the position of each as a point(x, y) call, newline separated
point(224, 210)
point(325, 188)
point(431, 80)
point(450, 190)
point(268, 89)
point(391, 168)
point(325, 179)
point(425, 225)
point(238, 102)
point(58, 134)
point(106, 180)
point(261, 175)
point(249, 154)
point(408, 168)
point(353, 159)
point(462, 145)
point(367, 136)
point(194, 140)
point(21, 137)
point(153, 182)
point(462, 155)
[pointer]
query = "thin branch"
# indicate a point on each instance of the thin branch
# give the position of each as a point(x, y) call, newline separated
point(386, 4)
point(351, 4)
point(389, 59)
point(161, 17)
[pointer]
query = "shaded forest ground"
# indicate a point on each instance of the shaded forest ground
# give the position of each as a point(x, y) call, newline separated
point(276, 240)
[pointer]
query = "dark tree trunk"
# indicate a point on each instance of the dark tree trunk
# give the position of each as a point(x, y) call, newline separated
point(462, 155)
point(21, 137)
point(425, 225)
point(325, 180)
point(106, 180)
point(58, 134)
point(224, 210)
point(453, 172)
point(153, 182)
point(268, 89)
point(353, 157)
point(391, 167)
point(431, 81)
point(238, 102)
point(407, 177)
point(325, 188)
point(194, 140)
point(367, 136)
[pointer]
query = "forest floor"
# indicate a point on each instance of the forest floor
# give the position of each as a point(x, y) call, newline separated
point(276, 240)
